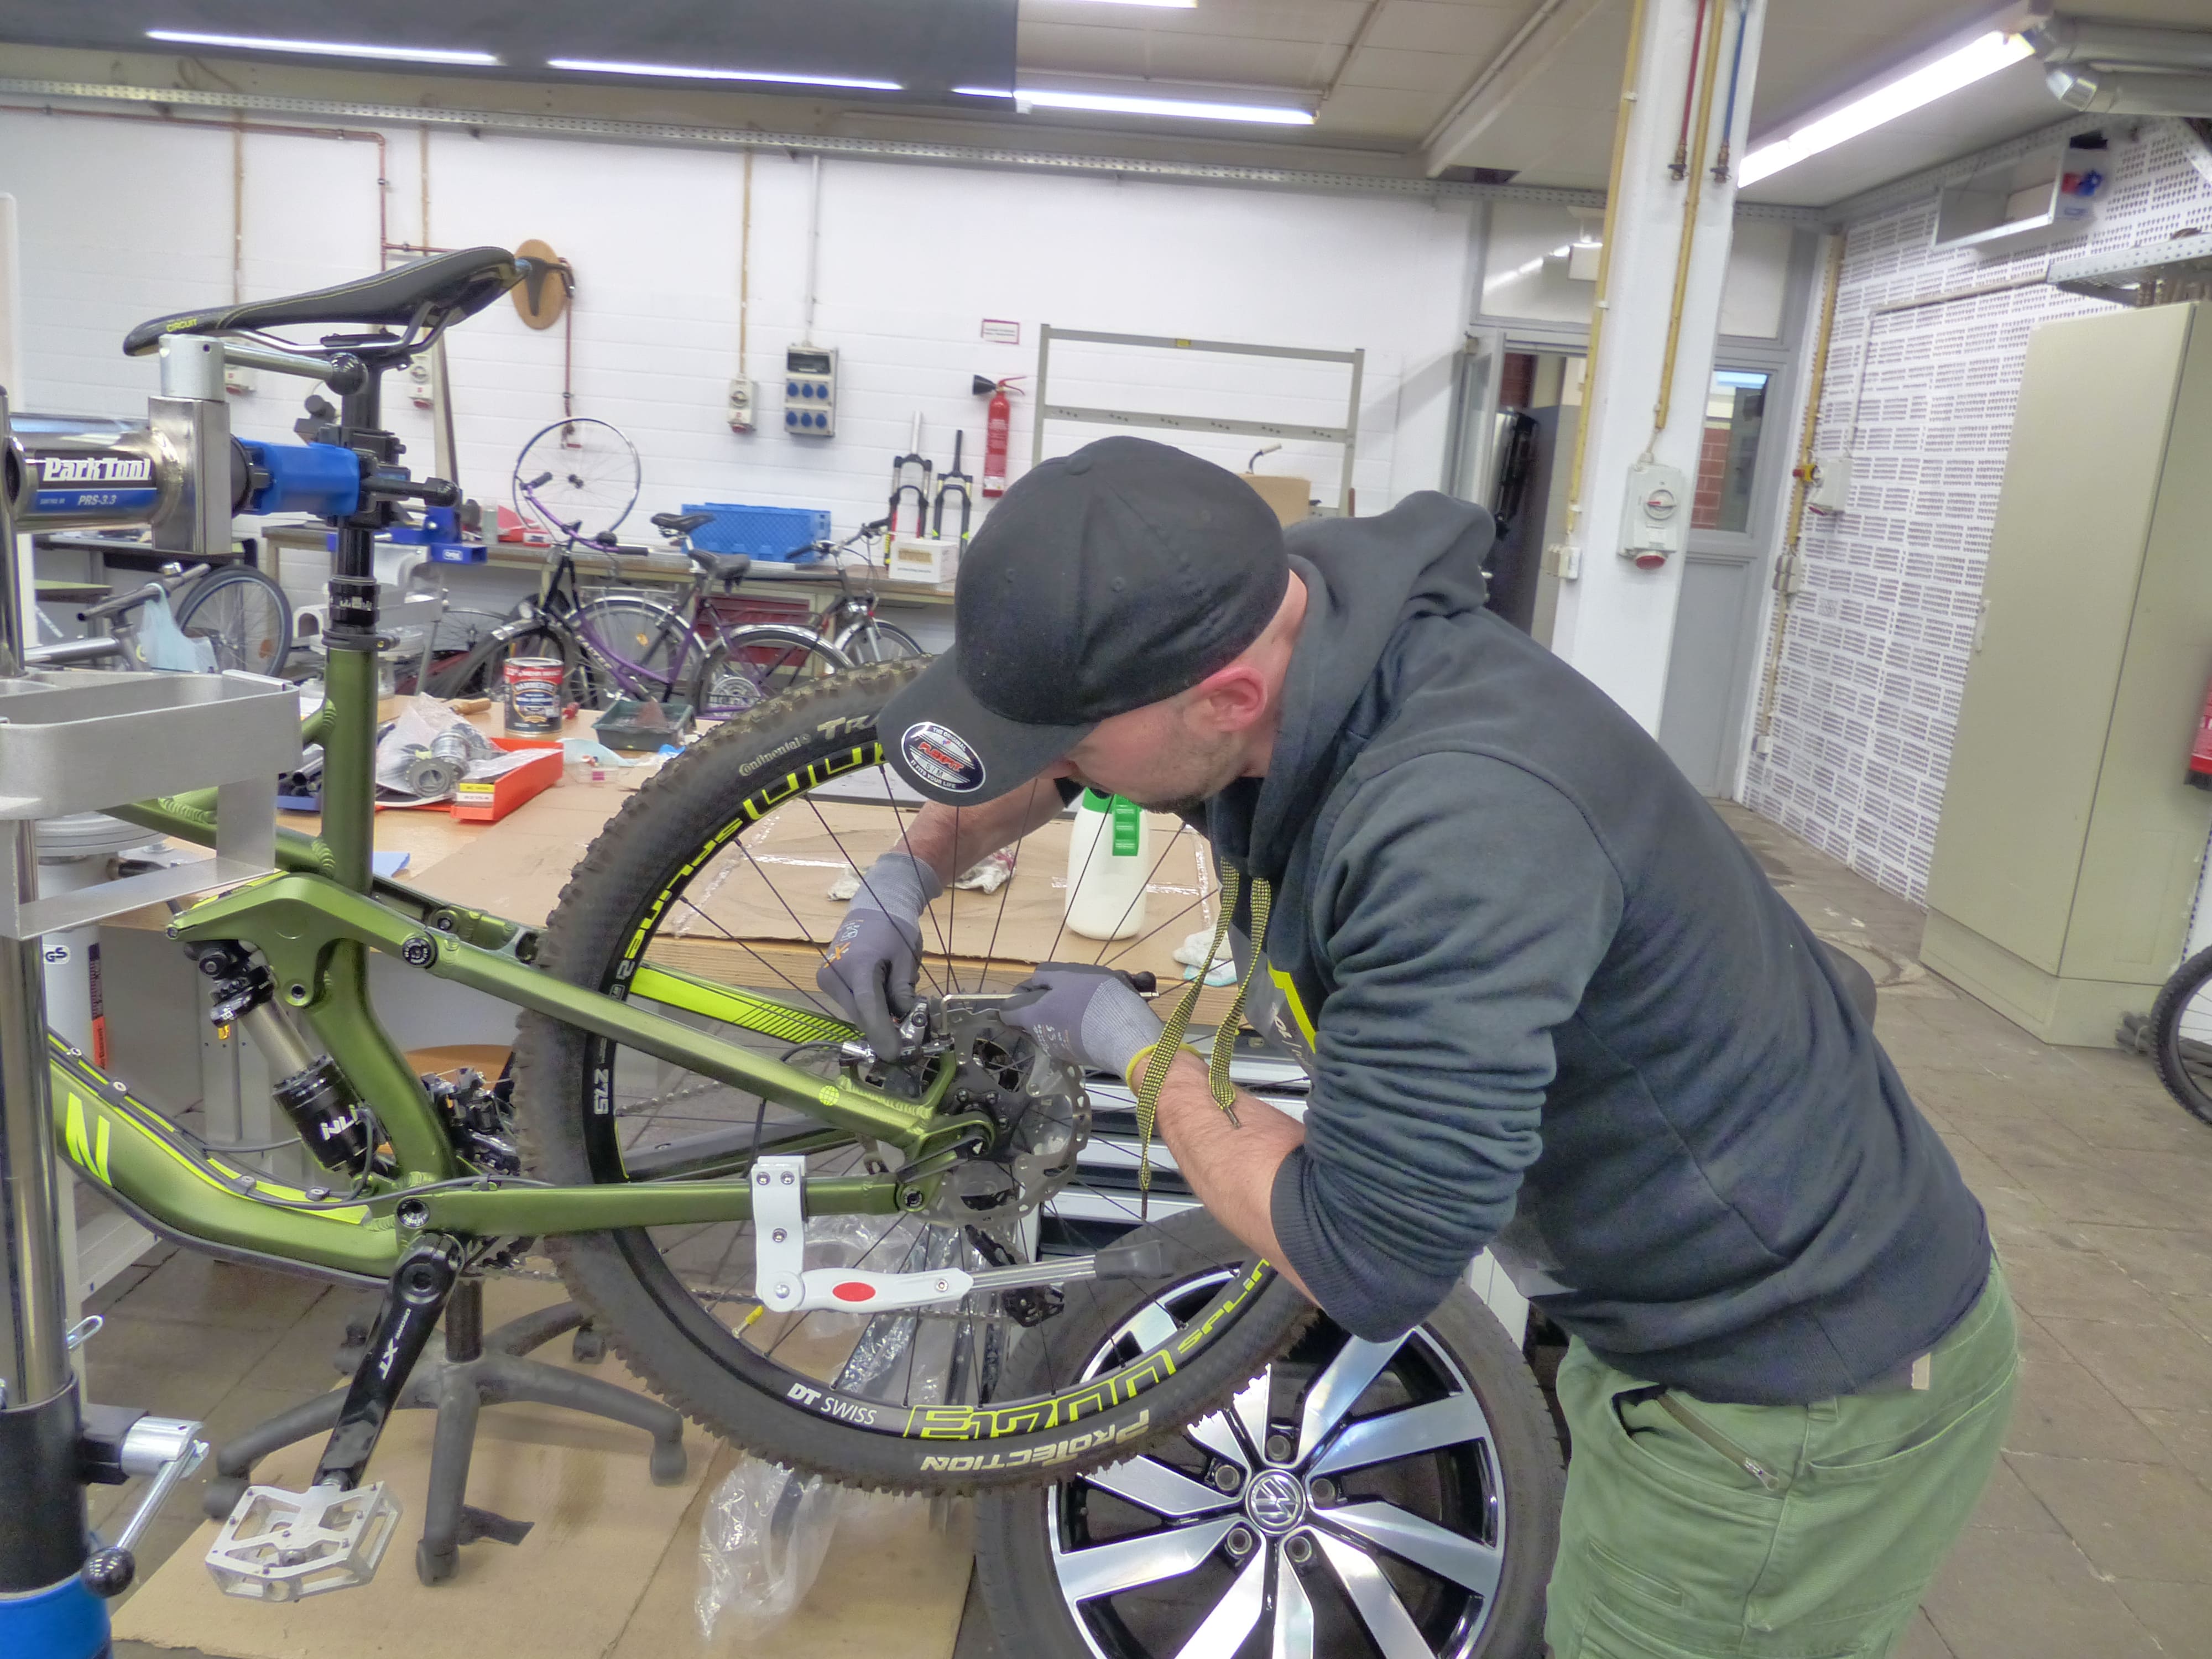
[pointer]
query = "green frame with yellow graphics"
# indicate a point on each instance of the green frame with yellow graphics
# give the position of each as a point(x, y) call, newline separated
point(315, 933)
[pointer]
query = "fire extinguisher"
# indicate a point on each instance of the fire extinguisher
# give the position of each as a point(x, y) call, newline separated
point(2200, 752)
point(996, 425)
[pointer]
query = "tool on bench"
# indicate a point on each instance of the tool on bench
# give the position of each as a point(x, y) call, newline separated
point(954, 480)
point(900, 486)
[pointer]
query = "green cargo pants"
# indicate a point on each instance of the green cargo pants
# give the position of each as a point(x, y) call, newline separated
point(1693, 1530)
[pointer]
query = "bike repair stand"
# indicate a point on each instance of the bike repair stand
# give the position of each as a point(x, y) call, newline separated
point(478, 1369)
point(55, 1577)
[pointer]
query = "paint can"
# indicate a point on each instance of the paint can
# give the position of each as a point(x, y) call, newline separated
point(535, 694)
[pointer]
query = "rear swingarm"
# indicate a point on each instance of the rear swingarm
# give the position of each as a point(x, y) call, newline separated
point(296, 921)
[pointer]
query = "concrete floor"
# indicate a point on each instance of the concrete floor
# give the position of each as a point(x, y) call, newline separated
point(2096, 1536)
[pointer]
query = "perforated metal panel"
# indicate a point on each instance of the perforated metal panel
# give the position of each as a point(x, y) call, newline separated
point(1874, 660)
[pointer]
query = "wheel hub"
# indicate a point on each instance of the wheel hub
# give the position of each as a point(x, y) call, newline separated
point(1042, 1114)
point(1275, 1502)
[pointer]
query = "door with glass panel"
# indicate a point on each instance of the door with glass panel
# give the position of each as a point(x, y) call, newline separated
point(1715, 622)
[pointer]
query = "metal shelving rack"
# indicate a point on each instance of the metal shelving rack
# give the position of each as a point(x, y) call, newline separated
point(1347, 435)
point(2132, 276)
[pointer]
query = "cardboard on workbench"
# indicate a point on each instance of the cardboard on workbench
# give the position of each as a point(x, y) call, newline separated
point(610, 1568)
point(771, 935)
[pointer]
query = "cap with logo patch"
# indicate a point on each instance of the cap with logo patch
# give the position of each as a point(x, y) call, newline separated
point(1103, 580)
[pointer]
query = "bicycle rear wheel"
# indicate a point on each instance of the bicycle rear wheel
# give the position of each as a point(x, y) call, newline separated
point(880, 641)
point(245, 615)
point(750, 664)
point(639, 647)
point(483, 672)
point(704, 899)
point(2181, 1036)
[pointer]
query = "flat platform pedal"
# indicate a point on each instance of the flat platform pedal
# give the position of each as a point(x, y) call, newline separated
point(282, 1546)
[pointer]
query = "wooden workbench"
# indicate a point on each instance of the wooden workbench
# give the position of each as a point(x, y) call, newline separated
point(518, 867)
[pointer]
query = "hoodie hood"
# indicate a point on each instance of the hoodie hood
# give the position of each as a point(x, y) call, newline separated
point(1366, 578)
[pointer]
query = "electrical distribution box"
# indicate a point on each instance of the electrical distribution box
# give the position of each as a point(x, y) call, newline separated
point(1829, 489)
point(1658, 515)
point(741, 404)
point(810, 391)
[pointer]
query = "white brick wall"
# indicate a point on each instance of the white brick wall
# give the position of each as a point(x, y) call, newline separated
point(124, 220)
point(1874, 660)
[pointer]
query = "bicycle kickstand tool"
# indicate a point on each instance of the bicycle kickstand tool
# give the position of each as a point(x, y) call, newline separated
point(955, 482)
point(282, 1546)
point(785, 1283)
point(900, 487)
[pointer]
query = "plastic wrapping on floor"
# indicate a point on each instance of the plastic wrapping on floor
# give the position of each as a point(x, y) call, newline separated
point(760, 1544)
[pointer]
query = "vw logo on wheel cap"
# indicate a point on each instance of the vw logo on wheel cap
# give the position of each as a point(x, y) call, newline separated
point(1276, 1501)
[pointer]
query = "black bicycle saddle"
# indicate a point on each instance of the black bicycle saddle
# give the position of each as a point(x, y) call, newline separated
point(431, 292)
point(722, 567)
point(680, 524)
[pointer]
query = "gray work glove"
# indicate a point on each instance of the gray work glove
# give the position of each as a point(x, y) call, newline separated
point(1088, 1016)
point(870, 966)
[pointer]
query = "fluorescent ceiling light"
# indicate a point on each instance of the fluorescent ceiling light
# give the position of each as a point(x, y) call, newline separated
point(321, 48)
point(693, 72)
point(1026, 98)
point(1973, 61)
point(1164, 5)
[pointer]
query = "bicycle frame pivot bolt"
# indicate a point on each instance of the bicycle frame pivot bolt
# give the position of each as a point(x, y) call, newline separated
point(1228, 1477)
point(412, 1213)
point(418, 951)
point(778, 1236)
point(1240, 1541)
point(787, 1178)
point(1300, 1549)
point(1278, 1448)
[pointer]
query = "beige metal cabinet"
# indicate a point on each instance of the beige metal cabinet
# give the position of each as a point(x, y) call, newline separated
point(2070, 845)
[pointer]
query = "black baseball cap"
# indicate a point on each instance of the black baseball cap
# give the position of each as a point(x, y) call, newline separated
point(1102, 582)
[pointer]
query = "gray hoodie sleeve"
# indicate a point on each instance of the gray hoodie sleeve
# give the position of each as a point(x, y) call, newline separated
point(1464, 905)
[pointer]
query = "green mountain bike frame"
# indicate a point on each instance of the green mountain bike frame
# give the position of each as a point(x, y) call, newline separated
point(314, 921)
point(314, 931)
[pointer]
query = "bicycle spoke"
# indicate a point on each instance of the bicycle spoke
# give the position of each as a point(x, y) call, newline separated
point(745, 945)
point(1135, 898)
point(1006, 891)
point(890, 799)
point(952, 901)
point(838, 842)
point(1067, 900)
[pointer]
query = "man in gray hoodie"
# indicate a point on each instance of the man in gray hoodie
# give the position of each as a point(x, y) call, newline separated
point(1549, 1005)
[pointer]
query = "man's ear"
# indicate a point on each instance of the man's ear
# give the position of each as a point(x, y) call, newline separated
point(1229, 700)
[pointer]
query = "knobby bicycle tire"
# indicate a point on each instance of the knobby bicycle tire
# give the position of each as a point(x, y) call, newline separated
point(2184, 1065)
point(634, 878)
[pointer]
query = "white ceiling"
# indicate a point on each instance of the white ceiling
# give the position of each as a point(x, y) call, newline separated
point(1393, 82)
point(1385, 73)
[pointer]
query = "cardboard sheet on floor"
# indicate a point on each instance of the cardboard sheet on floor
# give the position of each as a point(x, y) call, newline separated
point(608, 1571)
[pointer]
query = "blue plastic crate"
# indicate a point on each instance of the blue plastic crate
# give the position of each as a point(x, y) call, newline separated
point(765, 532)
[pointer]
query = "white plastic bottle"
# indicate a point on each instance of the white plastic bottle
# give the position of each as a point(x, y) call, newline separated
point(1108, 859)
